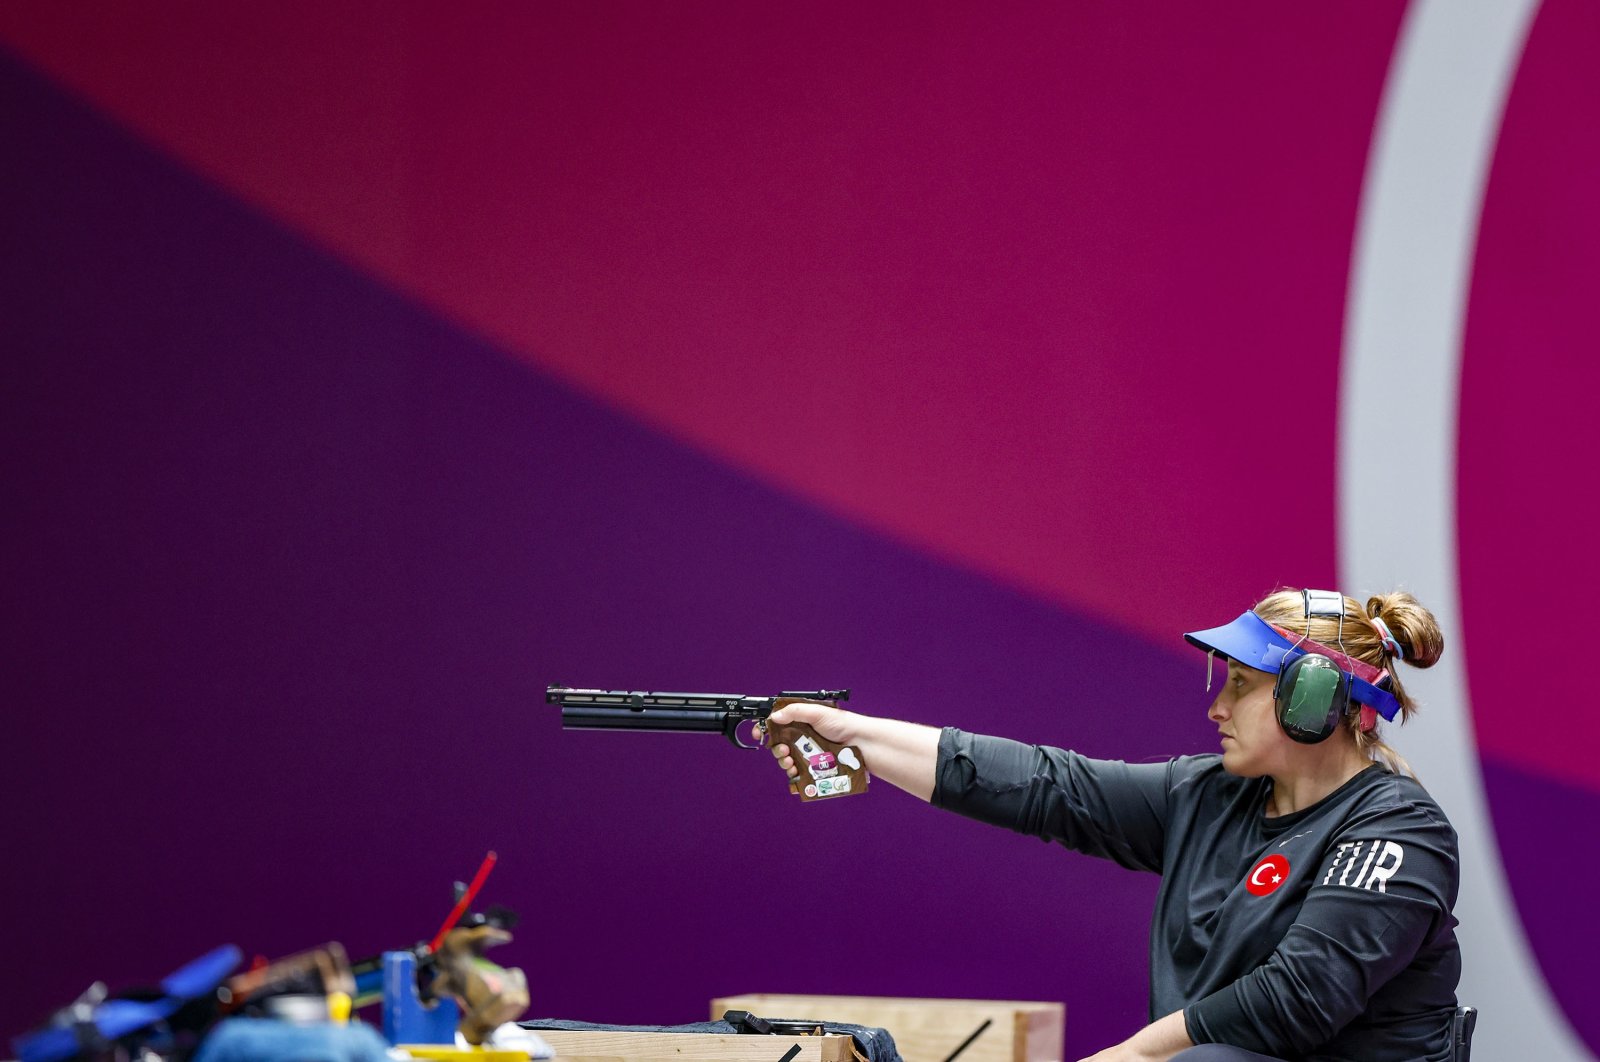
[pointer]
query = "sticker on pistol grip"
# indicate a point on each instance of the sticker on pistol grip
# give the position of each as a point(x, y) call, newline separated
point(819, 761)
point(827, 787)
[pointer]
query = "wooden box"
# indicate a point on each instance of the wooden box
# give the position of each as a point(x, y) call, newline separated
point(929, 1030)
point(598, 1046)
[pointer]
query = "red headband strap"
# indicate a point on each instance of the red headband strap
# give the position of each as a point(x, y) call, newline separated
point(1377, 676)
point(1359, 668)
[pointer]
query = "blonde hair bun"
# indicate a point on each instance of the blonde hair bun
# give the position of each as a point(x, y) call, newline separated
point(1412, 625)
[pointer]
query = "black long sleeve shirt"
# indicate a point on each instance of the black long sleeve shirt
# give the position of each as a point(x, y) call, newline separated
point(1320, 935)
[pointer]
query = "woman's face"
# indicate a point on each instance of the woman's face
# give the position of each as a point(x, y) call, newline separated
point(1253, 744)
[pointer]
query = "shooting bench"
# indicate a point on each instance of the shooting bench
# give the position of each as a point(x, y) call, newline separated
point(695, 1047)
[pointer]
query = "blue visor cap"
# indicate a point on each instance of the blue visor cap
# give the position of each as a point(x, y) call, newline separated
point(1252, 642)
point(1249, 640)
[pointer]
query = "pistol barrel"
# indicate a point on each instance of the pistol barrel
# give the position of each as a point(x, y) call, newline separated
point(694, 713)
point(594, 717)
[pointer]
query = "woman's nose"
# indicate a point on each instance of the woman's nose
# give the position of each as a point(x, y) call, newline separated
point(1216, 713)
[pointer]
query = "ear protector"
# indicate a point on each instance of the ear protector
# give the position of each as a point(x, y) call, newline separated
point(1312, 692)
point(1315, 684)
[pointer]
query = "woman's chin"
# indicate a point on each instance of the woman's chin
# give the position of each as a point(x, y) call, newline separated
point(1237, 763)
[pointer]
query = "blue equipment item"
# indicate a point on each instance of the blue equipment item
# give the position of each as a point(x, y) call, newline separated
point(87, 1027)
point(406, 1018)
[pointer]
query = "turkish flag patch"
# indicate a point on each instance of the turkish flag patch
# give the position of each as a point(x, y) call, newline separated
point(1267, 875)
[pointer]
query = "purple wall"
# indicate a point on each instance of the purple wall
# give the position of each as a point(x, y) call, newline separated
point(361, 382)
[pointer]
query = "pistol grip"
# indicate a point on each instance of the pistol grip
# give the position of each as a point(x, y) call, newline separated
point(825, 768)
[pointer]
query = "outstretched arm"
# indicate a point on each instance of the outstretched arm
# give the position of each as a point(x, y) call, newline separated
point(1105, 808)
point(903, 754)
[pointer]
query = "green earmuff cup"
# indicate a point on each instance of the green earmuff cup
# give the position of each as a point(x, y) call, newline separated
point(1313, 695)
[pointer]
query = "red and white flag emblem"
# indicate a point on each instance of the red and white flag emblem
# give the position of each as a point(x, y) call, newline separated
point(1267, 875)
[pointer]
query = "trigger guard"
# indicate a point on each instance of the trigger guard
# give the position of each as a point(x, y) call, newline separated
point(756, 725)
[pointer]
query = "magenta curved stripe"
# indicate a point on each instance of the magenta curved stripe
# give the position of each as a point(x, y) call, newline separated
point(968, 278)
point(1528, 432)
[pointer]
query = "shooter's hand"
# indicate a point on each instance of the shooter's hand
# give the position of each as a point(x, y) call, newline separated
point(834, 724)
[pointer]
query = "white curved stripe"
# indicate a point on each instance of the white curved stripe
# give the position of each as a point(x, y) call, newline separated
point(1399, 397)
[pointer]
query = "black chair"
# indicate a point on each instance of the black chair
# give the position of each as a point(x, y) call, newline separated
point(1461, 1033)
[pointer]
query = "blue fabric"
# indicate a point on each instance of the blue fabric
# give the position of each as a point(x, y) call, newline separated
point(269, 1040)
